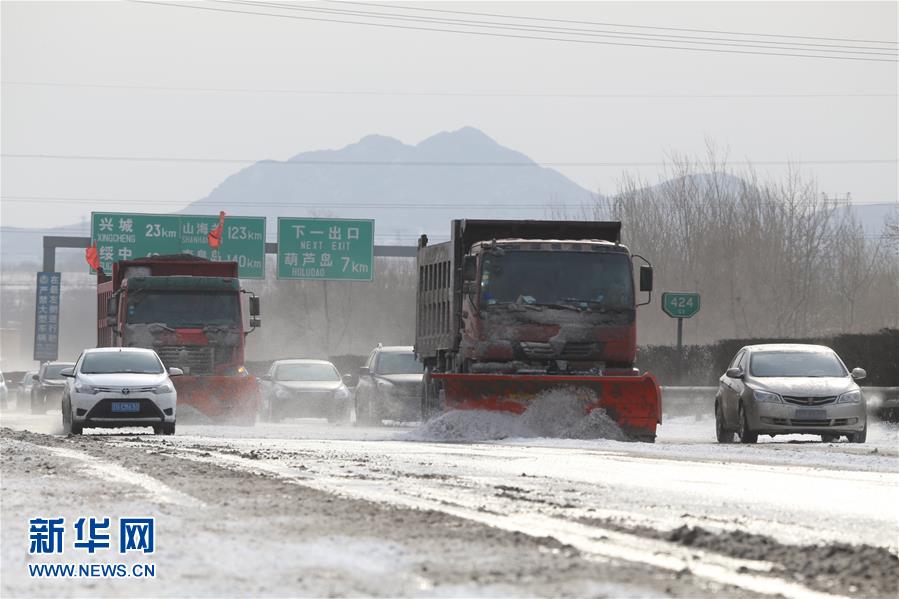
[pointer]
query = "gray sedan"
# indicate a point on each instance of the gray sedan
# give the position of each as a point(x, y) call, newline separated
point(783, 389)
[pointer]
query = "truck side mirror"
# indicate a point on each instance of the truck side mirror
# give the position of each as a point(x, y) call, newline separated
point(645, 278)
point(254, 305)
point(470, 287)
point(255, 322)
point(469, 268)
point(112, 308)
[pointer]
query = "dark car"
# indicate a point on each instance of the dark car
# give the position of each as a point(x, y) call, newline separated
point(389, 386)
point(783, 389)
point(304, 388)
point(46, 392)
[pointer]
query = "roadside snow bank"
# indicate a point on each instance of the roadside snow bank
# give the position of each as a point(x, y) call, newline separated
point(558, 413)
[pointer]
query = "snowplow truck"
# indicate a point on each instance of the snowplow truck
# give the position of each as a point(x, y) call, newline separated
point(509, 309)
point(190, 311)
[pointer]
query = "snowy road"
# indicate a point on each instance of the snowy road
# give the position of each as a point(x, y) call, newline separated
point(393, 511)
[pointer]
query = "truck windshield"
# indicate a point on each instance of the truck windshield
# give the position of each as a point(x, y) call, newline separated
point(121, 361)
point(309, 371)
point(184, 308)
point(591, 279)
point(397, 363)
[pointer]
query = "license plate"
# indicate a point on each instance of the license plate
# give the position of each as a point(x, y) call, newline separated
point(811, 414)
point(126, 406)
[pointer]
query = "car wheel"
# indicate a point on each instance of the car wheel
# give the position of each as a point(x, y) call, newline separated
point(168, 428)
point(829, 438)
point(746, 434)
point(859, 437)
point(721, 433)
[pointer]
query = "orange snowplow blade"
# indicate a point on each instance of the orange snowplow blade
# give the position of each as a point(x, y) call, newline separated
point(221, 398)
point(634, 402)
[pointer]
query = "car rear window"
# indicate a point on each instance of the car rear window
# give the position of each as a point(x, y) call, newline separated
point(399, 363)
point(795, 364)
point(52, 371)
point(121, 362)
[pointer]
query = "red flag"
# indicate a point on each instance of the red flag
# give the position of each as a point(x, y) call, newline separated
point(92, 256)
point(215, 236)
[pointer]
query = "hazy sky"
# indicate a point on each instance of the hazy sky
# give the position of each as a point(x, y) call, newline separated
point(132, 44)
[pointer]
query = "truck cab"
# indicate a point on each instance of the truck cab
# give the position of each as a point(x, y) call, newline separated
point(548, 305)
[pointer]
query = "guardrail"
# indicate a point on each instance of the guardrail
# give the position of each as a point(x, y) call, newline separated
point(699, 401)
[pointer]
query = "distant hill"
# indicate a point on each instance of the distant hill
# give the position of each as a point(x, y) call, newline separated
point(407, 189)
point(410, 190)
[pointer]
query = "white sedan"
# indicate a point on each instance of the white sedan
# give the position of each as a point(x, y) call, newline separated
point(113, 387)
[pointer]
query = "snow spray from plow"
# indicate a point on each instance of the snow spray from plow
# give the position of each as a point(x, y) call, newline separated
point(632, 402)
point(555, 413)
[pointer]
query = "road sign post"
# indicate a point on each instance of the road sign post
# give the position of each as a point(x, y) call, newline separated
point(680, 306)
point(46, 316)
point(125, 236)
point(326, 249)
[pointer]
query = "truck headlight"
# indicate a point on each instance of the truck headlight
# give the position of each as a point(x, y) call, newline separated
point(85, 389)
point(850, 397)
point(766, 396)
point(342, 393)
point(164, 388)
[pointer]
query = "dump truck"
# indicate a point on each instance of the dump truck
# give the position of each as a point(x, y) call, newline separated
point(189, 310)
point(509, 309)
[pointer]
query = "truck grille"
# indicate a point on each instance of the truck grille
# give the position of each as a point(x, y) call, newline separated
point(809, 401)
point(573, 350)
point(199, 359)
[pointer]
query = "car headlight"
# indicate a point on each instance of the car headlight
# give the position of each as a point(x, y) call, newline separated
point(385, 386)
point(766, 396)
point(850, 397)
point(164, 388)
point(342, 393)
point(282, 392)
point(85, 389)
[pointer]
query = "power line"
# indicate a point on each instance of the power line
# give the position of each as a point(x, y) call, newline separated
point(379, 205)
point(606, 24)
point(508, 35)
point(387, 163)
point(314, 92)
point(683, 39)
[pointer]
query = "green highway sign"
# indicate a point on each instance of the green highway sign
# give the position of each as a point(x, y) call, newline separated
point(326, 249)
point(680, 305)
point(125, 236)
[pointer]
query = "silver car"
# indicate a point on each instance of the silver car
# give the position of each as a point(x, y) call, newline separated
point(784, 389)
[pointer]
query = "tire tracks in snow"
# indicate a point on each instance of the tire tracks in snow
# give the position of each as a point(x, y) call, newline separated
point(155, 489)
point(593, 541)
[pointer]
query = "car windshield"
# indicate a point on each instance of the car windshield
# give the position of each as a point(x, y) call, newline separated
point(795, 364)
point(121, 361)
point(591, 279)
point(52, 371)
point(399, 363)
point(306, 372)
point(184, 308)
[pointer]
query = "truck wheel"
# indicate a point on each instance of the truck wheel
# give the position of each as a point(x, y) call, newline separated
point(746, 434)
point(721, 433)
point(430, 402)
